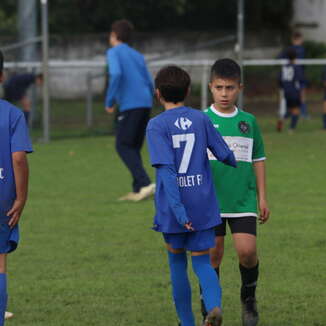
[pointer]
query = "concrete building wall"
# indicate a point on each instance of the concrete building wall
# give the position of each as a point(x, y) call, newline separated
point(310, 18)
point(71, 83)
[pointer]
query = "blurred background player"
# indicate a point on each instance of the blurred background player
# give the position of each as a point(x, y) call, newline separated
point(291, 79)
point(237, 189)
point(297, 41)
point(16, 87)
point(14, 145)
point(185, 201)
point(324, 106)
point(131, 88)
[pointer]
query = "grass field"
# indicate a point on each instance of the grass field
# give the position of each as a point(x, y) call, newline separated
point(86, 259)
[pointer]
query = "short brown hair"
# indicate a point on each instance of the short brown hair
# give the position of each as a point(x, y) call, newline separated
point(123, 29)
point(226, 69)
point(173, 83)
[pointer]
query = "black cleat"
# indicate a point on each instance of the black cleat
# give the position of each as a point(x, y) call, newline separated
point(249, 312)
point(214, 318)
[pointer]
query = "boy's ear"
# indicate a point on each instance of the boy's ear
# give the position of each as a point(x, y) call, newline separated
point(158, 95)
point(241, 86)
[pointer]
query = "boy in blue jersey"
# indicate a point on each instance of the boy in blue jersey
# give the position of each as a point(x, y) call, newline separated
point(186, 207)
point(14, 145)
point(291, 80)
point(130, 87)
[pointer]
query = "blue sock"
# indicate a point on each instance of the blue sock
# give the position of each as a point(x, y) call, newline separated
point(294, 121)
point(3, 297)
point(208, 280)
point(181, 288)
point(304, 110)
point(324, 120)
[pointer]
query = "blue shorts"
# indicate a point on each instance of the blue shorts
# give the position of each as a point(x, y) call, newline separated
point(192, 241)
point(8, 237)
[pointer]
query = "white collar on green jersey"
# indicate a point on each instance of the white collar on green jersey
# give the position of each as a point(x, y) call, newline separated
point(225, 115)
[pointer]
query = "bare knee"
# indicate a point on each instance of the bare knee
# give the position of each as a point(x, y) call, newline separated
point(216, 254)
point(248, 257)
point(174, 251)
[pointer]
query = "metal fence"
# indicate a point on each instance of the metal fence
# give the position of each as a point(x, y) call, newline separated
point(92, 73)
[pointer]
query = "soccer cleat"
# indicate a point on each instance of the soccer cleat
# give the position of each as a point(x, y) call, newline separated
point(249, 312)
point(8, 315)
point(214, 318)
point(144, 192)
point(128, 196)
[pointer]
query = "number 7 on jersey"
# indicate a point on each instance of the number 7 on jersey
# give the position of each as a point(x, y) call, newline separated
point(189, 139)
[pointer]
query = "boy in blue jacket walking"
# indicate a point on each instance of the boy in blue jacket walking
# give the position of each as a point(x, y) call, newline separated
point(131, 88)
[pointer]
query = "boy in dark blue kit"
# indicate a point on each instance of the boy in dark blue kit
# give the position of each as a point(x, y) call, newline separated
point(131, 87)
point(291, 80)
point(297, 46)
point(14, 145)
point(186, 206)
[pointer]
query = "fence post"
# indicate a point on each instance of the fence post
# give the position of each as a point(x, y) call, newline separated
point(89, 100)
point(33, 102)
point(204, 88)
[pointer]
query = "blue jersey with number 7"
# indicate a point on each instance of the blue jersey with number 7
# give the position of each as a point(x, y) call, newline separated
point(180, 137)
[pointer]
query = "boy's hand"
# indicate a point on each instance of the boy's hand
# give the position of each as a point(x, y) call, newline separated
point(189, 227)
point(110, 109)
point(15, 212)
point(264, 211)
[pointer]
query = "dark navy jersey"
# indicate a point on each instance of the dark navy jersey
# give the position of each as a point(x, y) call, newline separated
point(16, 86)
point(299, 51)
point(291, 80)
point(180, 137)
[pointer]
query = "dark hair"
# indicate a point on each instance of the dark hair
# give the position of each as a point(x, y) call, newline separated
point(173, 83)
point(1, 62)
point(39, 76)
point(123, 29)
point(291, 54)
point(296, 35)
point(226, 69)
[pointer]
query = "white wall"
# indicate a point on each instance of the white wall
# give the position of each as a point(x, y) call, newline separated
point(310, 17)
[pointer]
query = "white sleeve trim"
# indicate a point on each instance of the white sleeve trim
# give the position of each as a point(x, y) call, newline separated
point(259, 159)
point(234, 215)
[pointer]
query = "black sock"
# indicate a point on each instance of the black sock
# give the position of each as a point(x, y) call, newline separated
point(294, 121)
point(249, 277)
point(324, 120)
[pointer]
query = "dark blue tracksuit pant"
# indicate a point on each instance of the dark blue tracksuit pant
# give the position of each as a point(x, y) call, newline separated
point(131, 128)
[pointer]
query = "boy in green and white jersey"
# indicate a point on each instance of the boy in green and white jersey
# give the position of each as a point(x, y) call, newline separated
point(238, 189)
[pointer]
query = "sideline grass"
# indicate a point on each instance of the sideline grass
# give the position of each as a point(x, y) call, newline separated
point(86, 259)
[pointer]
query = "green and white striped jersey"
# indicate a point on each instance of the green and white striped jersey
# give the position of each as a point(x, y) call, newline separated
point(236, 187)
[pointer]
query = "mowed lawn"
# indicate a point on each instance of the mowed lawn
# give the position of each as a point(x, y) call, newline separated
point(87, 259)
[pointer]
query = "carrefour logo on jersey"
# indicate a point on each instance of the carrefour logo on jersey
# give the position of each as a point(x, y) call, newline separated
point(183, 123)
